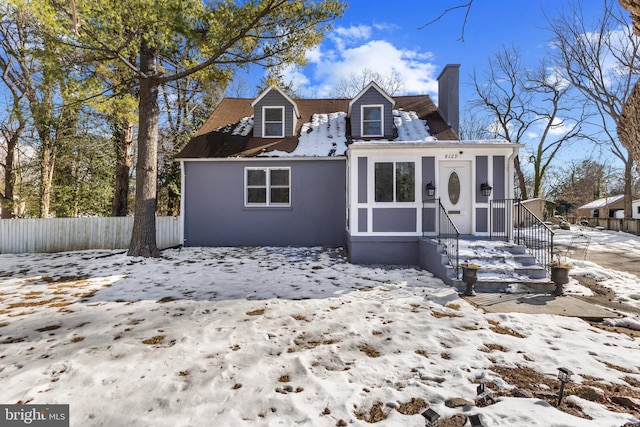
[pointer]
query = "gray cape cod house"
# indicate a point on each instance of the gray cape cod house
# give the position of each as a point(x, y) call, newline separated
point(369, 173)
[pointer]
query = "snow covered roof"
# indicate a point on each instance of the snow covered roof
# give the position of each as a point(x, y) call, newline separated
point(324, 136)
point(601, 203)
point(323, 130)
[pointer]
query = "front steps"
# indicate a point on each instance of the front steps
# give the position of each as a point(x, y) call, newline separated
point(504, 267)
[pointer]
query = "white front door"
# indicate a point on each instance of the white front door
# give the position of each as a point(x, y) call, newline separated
point(455, 193)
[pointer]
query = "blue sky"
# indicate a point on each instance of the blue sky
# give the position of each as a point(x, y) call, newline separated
point(385, 36)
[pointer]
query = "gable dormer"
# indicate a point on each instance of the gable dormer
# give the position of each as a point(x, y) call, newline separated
point(274, 114)
point(371, 113)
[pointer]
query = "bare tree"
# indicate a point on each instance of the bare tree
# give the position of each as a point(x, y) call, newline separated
point(581, 181)
point(602, 60)
point(465, 6)
point(530, 107)
point(11, 130)
point(629, 124)
point(351, 85)
point(475, 127)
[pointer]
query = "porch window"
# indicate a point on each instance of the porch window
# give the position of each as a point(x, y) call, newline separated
point(267, 187)
point(372, 120)
point(273, 122)
point(395, 182)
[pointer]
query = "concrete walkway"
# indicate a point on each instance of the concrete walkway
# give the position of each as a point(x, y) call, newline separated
point(540, 304)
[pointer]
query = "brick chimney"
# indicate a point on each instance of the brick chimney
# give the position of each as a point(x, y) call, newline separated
point(449, 95)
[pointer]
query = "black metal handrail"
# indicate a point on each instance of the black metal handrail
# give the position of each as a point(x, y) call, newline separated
point(513, 221)
point(447, 235)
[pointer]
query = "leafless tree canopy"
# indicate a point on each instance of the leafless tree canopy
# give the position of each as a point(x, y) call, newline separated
point(530, 106)
point(602, 60)
point(466, 7)
point(351, 85)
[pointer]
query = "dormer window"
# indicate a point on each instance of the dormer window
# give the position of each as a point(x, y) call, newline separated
point(273, 122)
point(372, 120)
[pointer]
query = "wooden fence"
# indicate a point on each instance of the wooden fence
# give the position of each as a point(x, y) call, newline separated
point(74, 234)
point(631, 226)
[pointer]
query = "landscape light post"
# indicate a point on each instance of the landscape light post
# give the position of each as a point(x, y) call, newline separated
point(564, 375)
point(430, 418)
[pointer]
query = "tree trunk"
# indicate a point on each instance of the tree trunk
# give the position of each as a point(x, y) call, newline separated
point(143, 237)
point(629, 125)
point(521, 181)
point(47, 163)
point(119, 206)
point(628, 192)
point(8, 204)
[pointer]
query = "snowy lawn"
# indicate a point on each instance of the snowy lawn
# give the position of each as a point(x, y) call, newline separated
point(295, 336)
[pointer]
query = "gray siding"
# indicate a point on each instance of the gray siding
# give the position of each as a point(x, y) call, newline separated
point(371, 97)
point(499, 178)
point(394, 220)
point(482, 220)
point(428, 220)
point(215, 215)
point(362, 220)
point(482, 175)
point(274, 99)
point(383, 250)
point(362, 180)
point(428, 174)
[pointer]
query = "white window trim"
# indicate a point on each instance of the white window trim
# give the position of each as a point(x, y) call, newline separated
point(267, 187)
point(362, 107)
point(394, 202)
point(266, 107)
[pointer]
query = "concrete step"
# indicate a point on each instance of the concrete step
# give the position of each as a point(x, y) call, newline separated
point(504, 267)
point(509, 286)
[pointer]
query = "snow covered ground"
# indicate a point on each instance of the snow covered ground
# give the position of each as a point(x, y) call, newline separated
point(297, 336)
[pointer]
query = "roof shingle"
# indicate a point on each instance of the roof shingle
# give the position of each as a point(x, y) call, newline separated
point(215, 139)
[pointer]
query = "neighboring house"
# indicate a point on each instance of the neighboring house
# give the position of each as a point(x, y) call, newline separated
point(607, 207)
point(364, 172)
point(537, 206)
point(636, 209)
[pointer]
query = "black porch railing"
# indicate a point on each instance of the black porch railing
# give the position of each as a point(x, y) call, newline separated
point(446, 233)
point(512, 221)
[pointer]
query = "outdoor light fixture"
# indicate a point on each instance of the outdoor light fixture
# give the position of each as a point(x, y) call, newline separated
point(431, 189)
point(564, 375)
point(431, 418)
point(485, 189)
point(475, 421)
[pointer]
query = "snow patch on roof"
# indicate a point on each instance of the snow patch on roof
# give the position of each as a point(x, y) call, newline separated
point(242, 128)
point(601, 203)
point(324, 136)
point(411, 127)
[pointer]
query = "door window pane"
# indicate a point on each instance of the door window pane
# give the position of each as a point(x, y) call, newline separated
point(454, 188)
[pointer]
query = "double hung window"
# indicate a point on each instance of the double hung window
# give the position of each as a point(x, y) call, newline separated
point(267, 187)
point(395, 182)
point(372, 120)
point(273, 122)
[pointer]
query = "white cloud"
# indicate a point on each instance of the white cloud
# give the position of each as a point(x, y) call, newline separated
point(331, 64)
point(560, 127)
point(343, 36)
point(358, 32)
